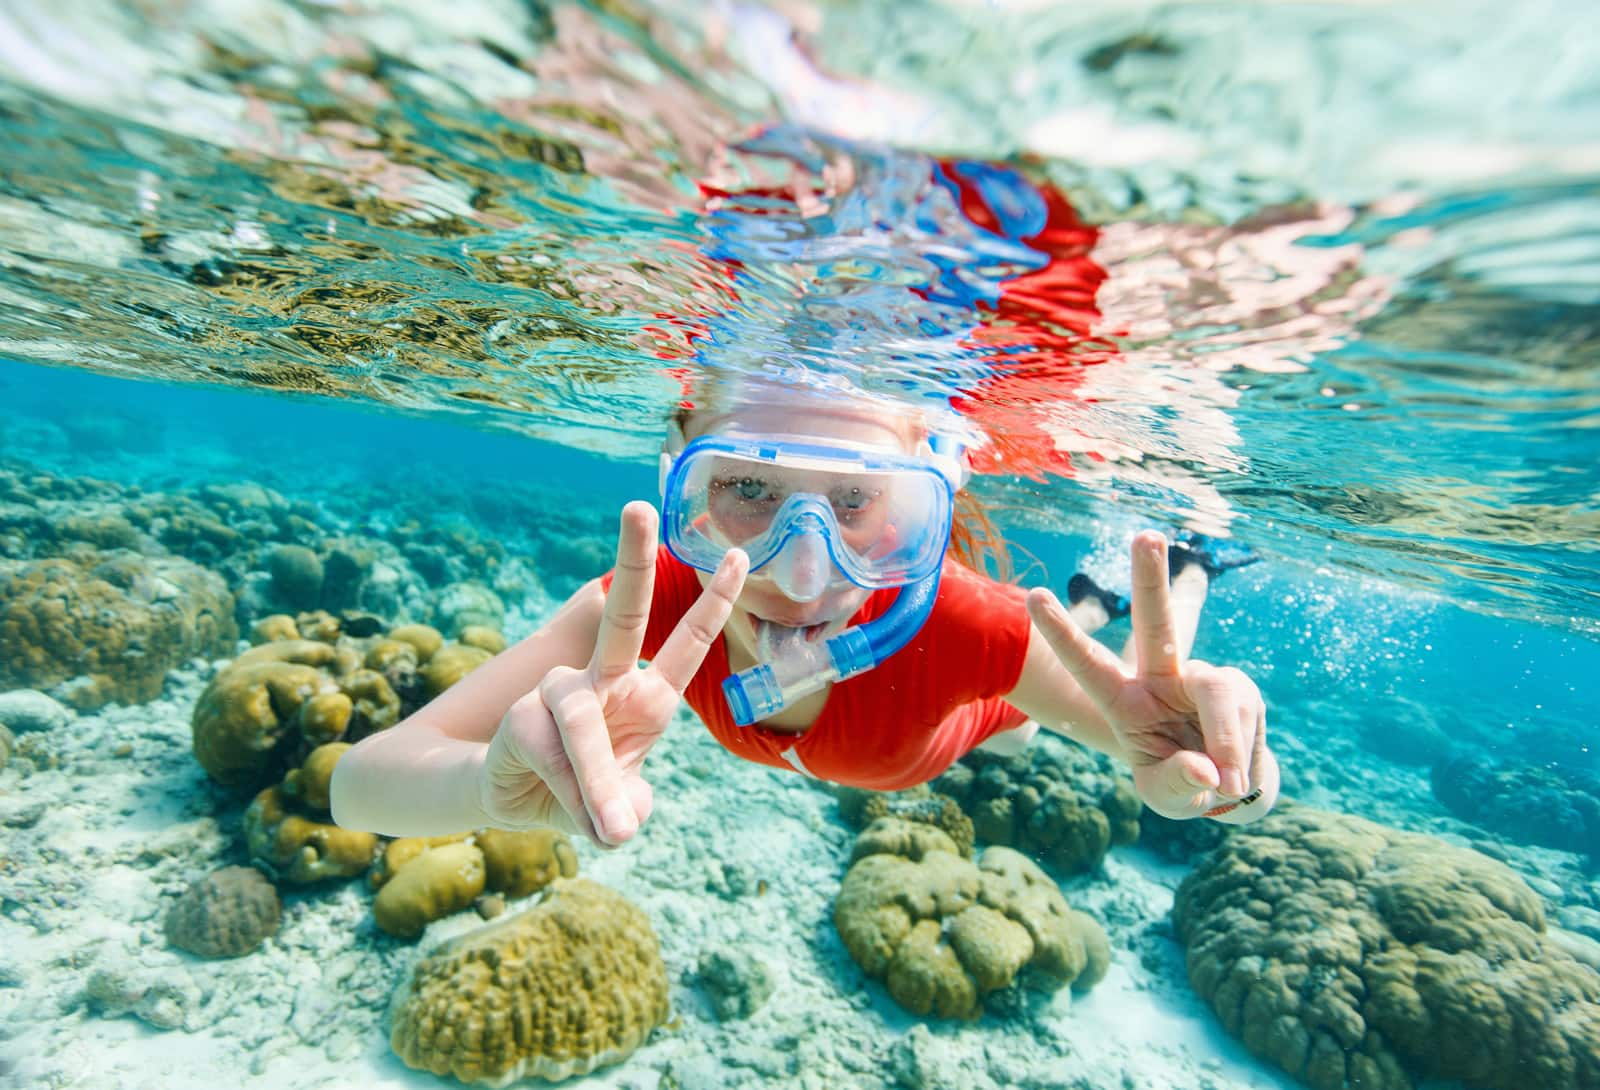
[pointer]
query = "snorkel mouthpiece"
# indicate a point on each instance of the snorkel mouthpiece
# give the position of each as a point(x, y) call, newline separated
point(800, 667)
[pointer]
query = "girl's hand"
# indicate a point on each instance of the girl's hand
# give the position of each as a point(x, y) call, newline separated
point(568, 754)
point(1195, 734)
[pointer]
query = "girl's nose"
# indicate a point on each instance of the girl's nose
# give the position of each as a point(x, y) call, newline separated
point(803, 569)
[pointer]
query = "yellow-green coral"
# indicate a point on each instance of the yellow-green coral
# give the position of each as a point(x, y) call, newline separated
point(397, 853)
point(425, 638)
point(325, 716)
point(389, 656)
point(297, 847)
point(484, 637)
point(277, 626)
point(439, 881)
point(570, 985)
point(263, 708)
point(518, 863)
point(375, 705)
point(1351, 954)
point(240, 721)
point(427, 878)
point(317, 624)
point(861, 807)
point(308, 784)
point(109, 626)
point(942, 931)
point(450, 664)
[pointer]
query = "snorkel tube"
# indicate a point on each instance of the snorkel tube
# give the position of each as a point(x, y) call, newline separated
point(800, 667)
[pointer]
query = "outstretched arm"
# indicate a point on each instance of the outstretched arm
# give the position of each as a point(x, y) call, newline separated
point(554, 731)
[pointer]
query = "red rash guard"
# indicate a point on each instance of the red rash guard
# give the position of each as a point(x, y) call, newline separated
point(902, 722)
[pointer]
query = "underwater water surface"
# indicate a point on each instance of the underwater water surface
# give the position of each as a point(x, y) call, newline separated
point(327, 327)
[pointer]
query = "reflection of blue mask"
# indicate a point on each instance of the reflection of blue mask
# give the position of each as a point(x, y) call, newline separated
point(810, 515)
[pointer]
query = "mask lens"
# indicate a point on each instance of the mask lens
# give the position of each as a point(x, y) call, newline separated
point(876, 519)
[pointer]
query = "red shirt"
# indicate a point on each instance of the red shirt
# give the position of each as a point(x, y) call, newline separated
point(902, 722)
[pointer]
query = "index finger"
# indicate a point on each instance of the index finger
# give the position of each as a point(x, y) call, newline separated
point(627, 610)
point(1091, 663)
point(686, 648)
point(1154, 635)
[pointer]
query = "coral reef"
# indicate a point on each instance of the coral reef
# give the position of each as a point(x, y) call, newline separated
point(296, 576)
point(246, 723)
point(450, 664)
point(439, 882)
point(226, 914)
point(103, 627)
point(572, 984)
point(518, 863)
point(1058, 803)
point(1351, 954)
point(942, 931)
point(1180, 841)
point(307, 683)
point(1531, 803)
point(422, 879)
point(860, 808)
point(298, 846)
point(483, 637)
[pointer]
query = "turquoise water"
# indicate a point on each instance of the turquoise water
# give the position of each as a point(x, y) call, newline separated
point(433, 281)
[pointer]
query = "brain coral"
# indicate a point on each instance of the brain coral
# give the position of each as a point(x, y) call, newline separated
point(1354, 955)
point(570, 985)
point(225, 914)
point(1533, 803)
point(942, 931)
point(860, 807)
point(423, 879)
point(249, 710)
point(267, 705)
point(297, 845)
point(439, 881)
point(1056, 802)
point(108, 626)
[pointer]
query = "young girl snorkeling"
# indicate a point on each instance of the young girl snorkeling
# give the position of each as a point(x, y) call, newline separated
point(806, 601)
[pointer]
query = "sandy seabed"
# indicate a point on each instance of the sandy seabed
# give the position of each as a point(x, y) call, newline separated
point(735, 856)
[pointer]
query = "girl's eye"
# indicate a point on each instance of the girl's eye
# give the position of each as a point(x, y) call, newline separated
point(749, 488)
point(853, 499)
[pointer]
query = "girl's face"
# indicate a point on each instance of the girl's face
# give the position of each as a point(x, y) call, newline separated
point(762, 601)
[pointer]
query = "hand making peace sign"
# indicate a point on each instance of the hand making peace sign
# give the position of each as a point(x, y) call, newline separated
point(568, 754)
point(1194, 733)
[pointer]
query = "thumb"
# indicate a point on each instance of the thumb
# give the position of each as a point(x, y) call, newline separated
point(1181, 786)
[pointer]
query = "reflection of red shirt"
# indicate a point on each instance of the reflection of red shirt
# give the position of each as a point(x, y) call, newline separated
point(902, 722)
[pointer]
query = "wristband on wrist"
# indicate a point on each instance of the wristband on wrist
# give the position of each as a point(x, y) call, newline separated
point(1230, 807)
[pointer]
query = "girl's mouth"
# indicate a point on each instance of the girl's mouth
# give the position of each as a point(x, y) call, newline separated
point(771, 631)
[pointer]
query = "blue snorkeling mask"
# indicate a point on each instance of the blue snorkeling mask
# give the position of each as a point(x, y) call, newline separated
point(812, 517)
